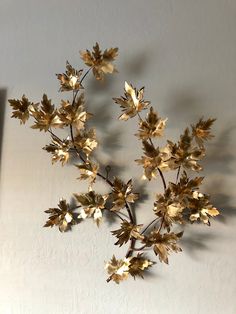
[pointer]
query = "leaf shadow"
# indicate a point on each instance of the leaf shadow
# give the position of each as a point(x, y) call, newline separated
point(220, 163)
point(221, 153)
point(183, 105)
point(194, 241)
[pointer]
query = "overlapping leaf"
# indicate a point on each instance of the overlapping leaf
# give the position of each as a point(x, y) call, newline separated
point(86, 141)
point(170, 208)
point(120, 269)
point(74, 114)
point(138, 265)
point(184, 153)
point(92, 204)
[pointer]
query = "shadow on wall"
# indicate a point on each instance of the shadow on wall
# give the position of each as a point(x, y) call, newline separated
point(220, 164)
point(3, 95)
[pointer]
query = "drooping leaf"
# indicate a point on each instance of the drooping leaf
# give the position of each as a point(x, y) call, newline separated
point(120, 270)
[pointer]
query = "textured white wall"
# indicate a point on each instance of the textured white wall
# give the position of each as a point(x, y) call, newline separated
point(184, 52)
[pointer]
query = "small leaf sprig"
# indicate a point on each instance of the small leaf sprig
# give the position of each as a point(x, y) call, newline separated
point(181, 201)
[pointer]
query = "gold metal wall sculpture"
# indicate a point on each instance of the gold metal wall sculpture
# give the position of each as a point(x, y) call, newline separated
point(181, 201)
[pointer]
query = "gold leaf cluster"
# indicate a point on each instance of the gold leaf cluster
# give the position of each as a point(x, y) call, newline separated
point(182, 203)
point(120, 269)
point(93, 204)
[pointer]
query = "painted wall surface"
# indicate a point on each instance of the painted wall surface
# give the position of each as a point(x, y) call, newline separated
point(184, 52)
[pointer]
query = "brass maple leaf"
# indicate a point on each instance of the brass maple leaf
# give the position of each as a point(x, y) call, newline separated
point(122, 194)
point(100, 62)
point(46, 116)
point(22, 108)
point(61, 216)
point(70, 80)
point(201, 131)
point(163, 244)
point(139, 264)
point(126, 232)
point(153, 160)
point(201, 208)
point(59, 149)
point(152, 127)
point(132, 102)
point(88, 171)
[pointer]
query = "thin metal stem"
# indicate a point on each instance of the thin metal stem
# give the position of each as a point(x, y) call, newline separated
point(149, 225)
point(177, 177)
point(162, 177)
point(140, 248)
